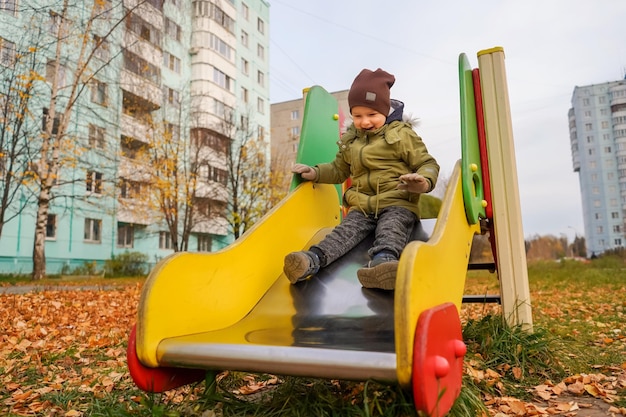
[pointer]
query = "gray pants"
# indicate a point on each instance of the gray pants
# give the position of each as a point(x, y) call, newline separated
point(393, 229)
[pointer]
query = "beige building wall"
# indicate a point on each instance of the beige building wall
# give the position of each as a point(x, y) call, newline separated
point(286, 123)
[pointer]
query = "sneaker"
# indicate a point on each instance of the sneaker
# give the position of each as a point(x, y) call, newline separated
point(380, 272)
point(301, 265)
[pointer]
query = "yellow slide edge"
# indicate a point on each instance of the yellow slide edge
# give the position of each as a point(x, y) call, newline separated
point(432, 273)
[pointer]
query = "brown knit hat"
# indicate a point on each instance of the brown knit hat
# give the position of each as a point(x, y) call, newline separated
point(371, 89)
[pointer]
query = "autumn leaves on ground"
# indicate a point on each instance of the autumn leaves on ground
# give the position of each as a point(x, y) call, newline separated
point(62, 353)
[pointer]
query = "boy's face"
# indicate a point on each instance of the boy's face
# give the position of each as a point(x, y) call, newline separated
point(366, 118)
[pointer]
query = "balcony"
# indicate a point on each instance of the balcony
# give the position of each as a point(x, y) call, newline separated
point(133, 128)
point(150, 96)
point(135, 212)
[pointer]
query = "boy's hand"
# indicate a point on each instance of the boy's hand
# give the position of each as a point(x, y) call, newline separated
point(305, 171)
point(414, 183)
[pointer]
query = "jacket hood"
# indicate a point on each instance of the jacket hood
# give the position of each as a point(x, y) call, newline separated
point(396, 111)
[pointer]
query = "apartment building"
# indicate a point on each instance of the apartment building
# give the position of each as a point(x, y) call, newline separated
point(597, 125)
point(164, 73)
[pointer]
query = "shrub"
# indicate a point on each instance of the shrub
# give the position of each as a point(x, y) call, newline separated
point(127, 264)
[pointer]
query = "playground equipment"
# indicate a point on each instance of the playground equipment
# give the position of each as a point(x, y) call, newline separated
point(234, 309)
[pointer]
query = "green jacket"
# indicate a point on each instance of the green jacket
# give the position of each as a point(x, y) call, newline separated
point(374, 161)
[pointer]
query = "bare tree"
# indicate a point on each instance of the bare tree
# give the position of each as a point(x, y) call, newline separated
point(249, 185)
point(60, 46)
point(17, 81)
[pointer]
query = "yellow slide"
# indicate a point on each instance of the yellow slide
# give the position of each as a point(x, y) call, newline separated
point(235, 310)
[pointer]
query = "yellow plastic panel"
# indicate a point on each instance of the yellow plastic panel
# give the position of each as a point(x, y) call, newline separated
point(432, 273)
point(189, 293)
point(507, 215)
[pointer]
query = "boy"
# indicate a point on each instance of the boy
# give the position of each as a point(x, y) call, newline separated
point(389, 167)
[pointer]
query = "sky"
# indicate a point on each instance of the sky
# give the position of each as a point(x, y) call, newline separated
point(550, 46)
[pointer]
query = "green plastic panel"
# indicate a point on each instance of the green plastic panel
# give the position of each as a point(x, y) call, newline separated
point(319, 133)
point(472, 181)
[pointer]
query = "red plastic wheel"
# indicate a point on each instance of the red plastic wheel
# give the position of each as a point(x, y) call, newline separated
point(157, 379)
point(438, 355)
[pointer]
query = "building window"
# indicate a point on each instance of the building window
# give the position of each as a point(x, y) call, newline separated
point(245, 67)
point(260, 105)
point(93, 228)
point(585, 101)
point(245, 11)
point(244, 95)
point(222, 110)
point(157, 4)
point(51, 226)
point(172, 97)
point(137, 65)
point(295, 115)
point(222, 48)
point(260, 78)
point(295, 132)
point(588, 127)
point(56, 74)
point(222, 79)
point(54, 24)
point(99, 92)
point(94, 182)
point(211, 174)
point(96, 136)
point(172, 132)
point(101, 48)
point(205, 137)
point(244, 38)
point(172, 62)
point(172, 29)
point(260, 51)
point(55, 123)
point(132, 189)
point(617, 228)
point(165, 240)
point(124, 235)
point(221, 17)
point(143, 29)
point(9, 6)
point(204, 243)
point(260, 25)
point(7, 53)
